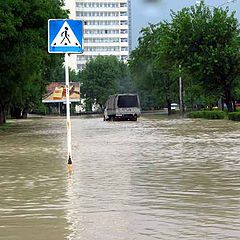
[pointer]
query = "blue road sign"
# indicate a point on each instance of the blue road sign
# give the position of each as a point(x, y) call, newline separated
point(65, 36)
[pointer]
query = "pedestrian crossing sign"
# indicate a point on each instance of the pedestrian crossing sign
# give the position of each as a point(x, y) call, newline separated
point(65, 36)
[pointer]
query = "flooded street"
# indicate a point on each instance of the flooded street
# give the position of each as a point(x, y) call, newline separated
point(157, 178)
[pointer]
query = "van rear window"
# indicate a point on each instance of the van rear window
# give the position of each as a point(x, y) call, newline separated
point(127, 101)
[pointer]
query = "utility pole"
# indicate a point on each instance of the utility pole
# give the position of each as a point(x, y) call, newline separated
point(180, 91)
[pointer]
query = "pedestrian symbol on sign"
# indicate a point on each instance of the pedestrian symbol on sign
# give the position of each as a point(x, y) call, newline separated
point(66, 35)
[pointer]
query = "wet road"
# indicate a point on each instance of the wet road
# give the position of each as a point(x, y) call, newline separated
point(157, 178)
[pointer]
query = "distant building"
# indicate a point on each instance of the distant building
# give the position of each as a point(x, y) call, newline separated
point(107, 29)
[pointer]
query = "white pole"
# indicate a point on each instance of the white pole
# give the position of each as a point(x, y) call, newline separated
point(69, 140)
point(180, 91)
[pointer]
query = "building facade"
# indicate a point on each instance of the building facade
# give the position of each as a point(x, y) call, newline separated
point(107, 29)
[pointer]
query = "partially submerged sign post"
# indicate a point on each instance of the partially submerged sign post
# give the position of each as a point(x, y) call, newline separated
point(66, 36)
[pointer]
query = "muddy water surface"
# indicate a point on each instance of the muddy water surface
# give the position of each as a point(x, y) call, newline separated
point(157, 178)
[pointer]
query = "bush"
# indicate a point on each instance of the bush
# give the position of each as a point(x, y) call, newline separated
point(207, 114)
point(5, 127)
point(40, 109)
point(234, 116)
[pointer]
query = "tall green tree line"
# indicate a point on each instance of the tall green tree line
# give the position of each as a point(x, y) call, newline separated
point(205, 42)
point(24, 62)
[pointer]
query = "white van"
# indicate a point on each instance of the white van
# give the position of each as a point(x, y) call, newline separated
point(122, 107)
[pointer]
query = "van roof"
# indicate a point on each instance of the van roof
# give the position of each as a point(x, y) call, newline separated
point(126, 94)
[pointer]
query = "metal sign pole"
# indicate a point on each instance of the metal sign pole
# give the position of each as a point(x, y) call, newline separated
point(69, 140)
point(66, 36)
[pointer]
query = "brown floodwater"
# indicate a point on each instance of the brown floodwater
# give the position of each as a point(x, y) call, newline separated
point(157, 178)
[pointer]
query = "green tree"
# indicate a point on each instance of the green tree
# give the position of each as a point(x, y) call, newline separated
point(102, 77)
point(125, 82)
point(206, 43)
point(152, 70)
point(23, 51)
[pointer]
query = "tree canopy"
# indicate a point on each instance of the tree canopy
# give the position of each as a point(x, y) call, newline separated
point(24, 61)
point(152, 70)
point(204, 42)
point(103, 76)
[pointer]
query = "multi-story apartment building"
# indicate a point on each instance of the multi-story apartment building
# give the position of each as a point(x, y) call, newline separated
point(107, 28)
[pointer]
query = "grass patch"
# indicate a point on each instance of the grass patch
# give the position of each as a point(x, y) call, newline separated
point(5, 127)
point(234, 116)
point(207, 114)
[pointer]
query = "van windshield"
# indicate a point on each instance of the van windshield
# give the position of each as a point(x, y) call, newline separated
point(127, 101)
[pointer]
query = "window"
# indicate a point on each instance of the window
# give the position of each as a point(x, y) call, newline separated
point(80, 66)
point(123, 22)
point(101, 31)
point(127, 101)
point(124, 39)
point(102, 49)
point(101, 40)
point(123, 31)
point(97, 5)
point(123, 13)
point(97, 14)
point(123, 4)
point(124, 57)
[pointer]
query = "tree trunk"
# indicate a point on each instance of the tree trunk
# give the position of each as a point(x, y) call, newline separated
point(16, 112)
point(222, 104)
point(169, 107)
point(101, 107)
point(234, 105)
point(210, 107)
point(2, 115)
point(192, 103)
point(228, 100)
point(24, 113)
point(89, 105)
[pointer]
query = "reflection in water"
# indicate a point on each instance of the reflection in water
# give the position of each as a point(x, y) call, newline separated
point(152, 179)
point(32, 185)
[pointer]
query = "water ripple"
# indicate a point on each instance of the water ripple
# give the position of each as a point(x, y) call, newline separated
point(158, 178)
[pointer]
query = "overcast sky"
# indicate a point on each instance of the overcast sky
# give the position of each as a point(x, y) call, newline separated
point(154, 11)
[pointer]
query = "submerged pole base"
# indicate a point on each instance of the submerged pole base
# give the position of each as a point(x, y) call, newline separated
point(70, 166)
